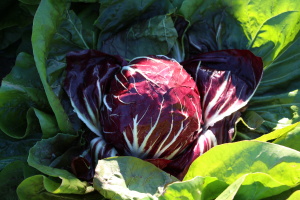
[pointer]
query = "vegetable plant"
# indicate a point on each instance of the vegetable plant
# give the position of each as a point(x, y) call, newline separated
point(149, 99)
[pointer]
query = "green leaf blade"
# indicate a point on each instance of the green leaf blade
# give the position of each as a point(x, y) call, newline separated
point(129, 177)
point(46, 21)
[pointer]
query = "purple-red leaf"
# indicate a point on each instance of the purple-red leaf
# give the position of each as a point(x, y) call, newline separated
point(101, 149)
point(152, 109)
point(226, 81)
point(89, 73)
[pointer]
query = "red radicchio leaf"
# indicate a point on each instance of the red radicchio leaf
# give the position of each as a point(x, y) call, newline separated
point(226, 81)
point(88, 74)
point(101, 149)
point(82, 168)
point(152, 109)
point(221, 132)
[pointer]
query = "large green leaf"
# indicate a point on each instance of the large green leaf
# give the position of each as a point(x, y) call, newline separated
point(47, 123)
point(285, 136)
point(18, 95)
point(14, 149)
point(46, 21)
point(197, 188)
point(276, 111)
point(129, 178)
point(268, 169)
point(155, 36)
point(11, 176)
point(35, 188)
point(295, 195)
point(53, 157)
point(117, 15)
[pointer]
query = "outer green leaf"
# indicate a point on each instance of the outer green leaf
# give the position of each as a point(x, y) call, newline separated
point(258, 25)
point(48, 156)
point(253, 186)
point(277, 110)
point(13, 150)
point(191, 189)
point(11, 176)
point(289, 140)
point(9, 36)
point(284, 195)
point(228, 162)
point(70, 36)
point(153, 37)
point(26, 191)
point(129, 178)
point(197, 188)
point(285, 136)
point(231, 191)
point(18, 95)
point(48, 123)
point(117, 15)
point(46, 22)
point(30, 2)
point(13, 15)
point(295, 195)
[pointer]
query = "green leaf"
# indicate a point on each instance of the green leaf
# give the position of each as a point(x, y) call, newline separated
point(11, 176)
point(15, 150)
point(13, 15)
point(253, 186)
point(18, 95)
point(295, 195)
point(156, 36)
point(285, 136)
point(273, 168)
point(49, 156)
point(284, 195)
point(117, 15)
point(191, 189)
point(277, 110)
point(70, 36)
point(47, 19)
point(270, 30)
point(278, 133)
point(231, 191)
point(197, 188)
point(129, 178)
point(48, 123)
point(26, 191)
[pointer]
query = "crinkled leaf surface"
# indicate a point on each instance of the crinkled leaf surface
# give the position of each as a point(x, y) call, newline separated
point(274, 168)
point(48, 156)
point(155, 36)
point(15, 149)
point(129, 178)
point(18, 95)
point(120, 14)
